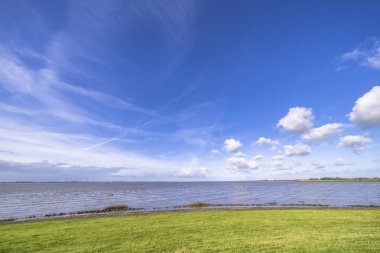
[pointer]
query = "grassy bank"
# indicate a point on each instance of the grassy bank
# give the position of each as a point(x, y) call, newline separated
point(325, 230)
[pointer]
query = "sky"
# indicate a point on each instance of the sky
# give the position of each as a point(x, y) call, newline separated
point(183, 90)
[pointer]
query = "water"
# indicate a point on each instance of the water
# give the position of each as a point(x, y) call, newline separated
point(19, 200)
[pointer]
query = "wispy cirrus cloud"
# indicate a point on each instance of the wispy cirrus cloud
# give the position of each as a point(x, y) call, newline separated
point(28, 145)
point(367, 54)
point(44, 86)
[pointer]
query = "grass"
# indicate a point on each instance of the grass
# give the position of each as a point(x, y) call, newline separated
point(289, 230)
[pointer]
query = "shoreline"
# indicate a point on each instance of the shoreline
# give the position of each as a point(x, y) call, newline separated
point(179, 210)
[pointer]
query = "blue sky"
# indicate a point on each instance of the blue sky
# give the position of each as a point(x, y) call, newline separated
point(189, 90)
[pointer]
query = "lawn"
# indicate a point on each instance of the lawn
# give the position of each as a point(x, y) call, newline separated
point(294, 230)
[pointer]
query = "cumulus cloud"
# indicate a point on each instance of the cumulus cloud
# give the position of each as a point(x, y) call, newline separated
point(280, 162)
point(366, 54)
point(232, 145)
point(285, 164)
point(355, 142)
point(323, 132)
point(297, 150)
point(263, 140)
point(214, 152)
point(193, 172)
point(340, 162)
point(258, 157)
point(366, 112)
point(298, 120)
point(278, 157)
point(238, 162)
point(318, 165)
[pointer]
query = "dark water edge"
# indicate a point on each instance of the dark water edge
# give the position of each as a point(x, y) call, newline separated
point(36, 200)
point(141, 211)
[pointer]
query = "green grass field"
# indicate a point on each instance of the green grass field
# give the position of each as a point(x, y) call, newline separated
point(306, 230)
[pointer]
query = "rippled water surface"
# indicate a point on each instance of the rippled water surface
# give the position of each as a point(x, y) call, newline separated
point(19, 200)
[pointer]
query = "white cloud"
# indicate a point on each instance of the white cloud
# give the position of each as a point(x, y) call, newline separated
point(340, 162)
point(26, 143)
point(200, 136)
point(278, 157)
point(48, 171)
point(323, 132)
point(366, 54)
point(193, 172)
point(366, 112)
point(13, 76)
point(231, 145)
point(238, 162)
point(24, 82)
point(263, 140)
point(355, 142)
point(297, 150)
point(318, 165)
point(280, 162)
point(214, 152)
point(45, 87)
point(258, 157)
point(285, 164)
point(298, 120)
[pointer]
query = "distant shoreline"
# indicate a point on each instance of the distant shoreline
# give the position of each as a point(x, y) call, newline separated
point(323, 179)
point(340, 180)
